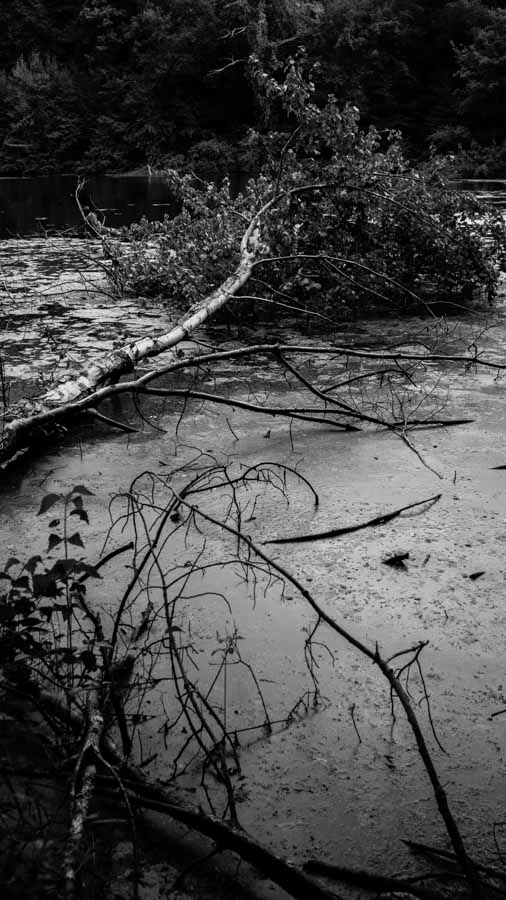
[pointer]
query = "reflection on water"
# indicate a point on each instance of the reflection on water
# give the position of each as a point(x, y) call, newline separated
point(45, 204)
point(491, 190)
point(34, 205)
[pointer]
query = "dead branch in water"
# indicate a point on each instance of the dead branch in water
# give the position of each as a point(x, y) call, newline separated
point(371, 523)
point(28, 423)
point(158, 518)
point(374, 656)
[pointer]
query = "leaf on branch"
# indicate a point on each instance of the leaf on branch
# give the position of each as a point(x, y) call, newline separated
point(64, 566)
point(44, 585)
point(12, 561)
point(22, 582)
point(67, 655)
point(32, 563)
point(80, 489)
point(474, 575)
point(47, 502)
point(53, 542)
point(91, 571)
point(46, 611)
point(54, 523)
point(88, 660)
point(83, 515)
point(31, 623)
point(76, 540)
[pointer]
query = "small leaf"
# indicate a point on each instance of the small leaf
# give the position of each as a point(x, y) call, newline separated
point(474, 575)
point(83, 515)
point(23, 606)
point(6, 613)
point(80, 489)
point(54, 540)
point(46, 611)
point(67, 655)
point(76, 540)
point(44, 586)
point(31, 565)
point(89, 570)
point(397, 561)
point(78, 588)
point(22, 582)
point(54, 523)
point(88, 660)
point(63, 567)
point(30, 623)
point(12, 561)
point(47, 502)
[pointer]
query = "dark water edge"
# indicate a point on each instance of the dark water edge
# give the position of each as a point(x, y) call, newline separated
point(46, 204)
point(490, 190)
point(31, 206)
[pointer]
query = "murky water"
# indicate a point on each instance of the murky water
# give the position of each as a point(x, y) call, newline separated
point(311, 789)
point(46, 205)
point(42, 205)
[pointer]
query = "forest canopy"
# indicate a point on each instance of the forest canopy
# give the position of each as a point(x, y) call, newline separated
point(109, 85)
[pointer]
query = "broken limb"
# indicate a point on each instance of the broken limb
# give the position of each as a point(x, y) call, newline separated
point(30, 422)
point(288, 876)
point(144, 794)
point(288, 412)
point(371, 523)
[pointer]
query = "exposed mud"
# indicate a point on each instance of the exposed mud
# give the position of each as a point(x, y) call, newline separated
point(314, 789)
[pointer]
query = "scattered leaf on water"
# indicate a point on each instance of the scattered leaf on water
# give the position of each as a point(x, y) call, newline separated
point(397, 561)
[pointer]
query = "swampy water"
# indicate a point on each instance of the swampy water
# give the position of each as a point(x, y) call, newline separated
point(319, 787)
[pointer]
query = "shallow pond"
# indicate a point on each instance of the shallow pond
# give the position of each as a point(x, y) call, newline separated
point(320, 787)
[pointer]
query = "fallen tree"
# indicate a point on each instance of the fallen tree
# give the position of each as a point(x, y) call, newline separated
point(336, 223)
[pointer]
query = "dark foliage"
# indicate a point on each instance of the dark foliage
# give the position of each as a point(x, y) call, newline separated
point(113, 84)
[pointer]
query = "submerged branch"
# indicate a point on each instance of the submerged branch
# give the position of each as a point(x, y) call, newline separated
point(371, 523)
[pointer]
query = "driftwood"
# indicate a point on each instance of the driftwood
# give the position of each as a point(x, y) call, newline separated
point(371, 523)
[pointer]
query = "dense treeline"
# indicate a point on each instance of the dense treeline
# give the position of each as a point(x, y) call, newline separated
point(113, 84)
